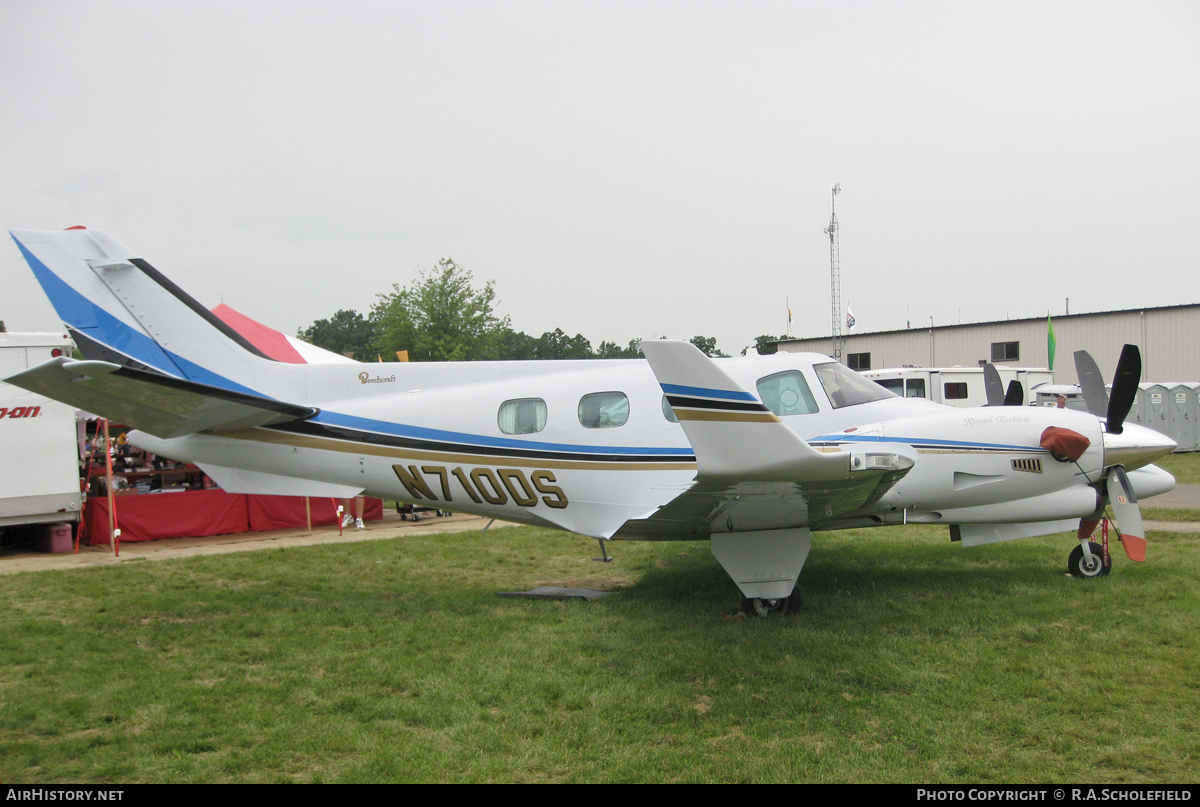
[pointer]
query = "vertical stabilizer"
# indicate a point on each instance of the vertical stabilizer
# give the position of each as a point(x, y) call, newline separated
point(120, 309)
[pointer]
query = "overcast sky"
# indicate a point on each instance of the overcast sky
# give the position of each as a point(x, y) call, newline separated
point(619, 169)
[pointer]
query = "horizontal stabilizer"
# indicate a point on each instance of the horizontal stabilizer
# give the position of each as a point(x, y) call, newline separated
point(239, 480)
point(733, 434)
point(158, 404)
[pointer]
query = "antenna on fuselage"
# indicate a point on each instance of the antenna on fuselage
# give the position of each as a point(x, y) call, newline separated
point(835, 280)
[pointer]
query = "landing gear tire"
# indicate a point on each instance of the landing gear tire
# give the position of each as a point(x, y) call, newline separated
point(768, 607)
point(1078, 565)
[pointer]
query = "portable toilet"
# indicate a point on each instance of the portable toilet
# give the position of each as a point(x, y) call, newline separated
point(1154, 408)
point(1183, 411)
point(1139, 403)
point(1135, 411)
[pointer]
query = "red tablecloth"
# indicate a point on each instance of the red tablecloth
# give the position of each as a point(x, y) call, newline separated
point(197, 513)
point(281, 512)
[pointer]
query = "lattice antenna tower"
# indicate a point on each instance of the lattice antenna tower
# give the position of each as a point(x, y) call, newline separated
point(835, 279)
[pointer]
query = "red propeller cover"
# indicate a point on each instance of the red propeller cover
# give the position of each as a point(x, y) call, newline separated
point(1064, 442)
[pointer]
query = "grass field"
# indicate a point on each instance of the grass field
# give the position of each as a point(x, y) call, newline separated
point(914, 660)
point(1184, 467)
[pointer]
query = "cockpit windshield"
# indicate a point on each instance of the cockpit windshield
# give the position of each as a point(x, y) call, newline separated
point(846, 387)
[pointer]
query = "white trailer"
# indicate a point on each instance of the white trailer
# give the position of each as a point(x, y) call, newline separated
point(1072, 395)
point(957, 386)
point(39, 451)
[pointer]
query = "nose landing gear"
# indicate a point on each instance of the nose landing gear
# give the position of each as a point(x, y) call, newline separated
point(1094, 564)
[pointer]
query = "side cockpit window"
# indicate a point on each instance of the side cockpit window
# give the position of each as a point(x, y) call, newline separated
point(522, 416)
point(787, 393)
point(846, 387)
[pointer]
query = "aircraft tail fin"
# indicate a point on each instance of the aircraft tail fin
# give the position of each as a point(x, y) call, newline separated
point(122, 310)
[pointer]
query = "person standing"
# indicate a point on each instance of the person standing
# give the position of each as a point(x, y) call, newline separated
point(352, 512)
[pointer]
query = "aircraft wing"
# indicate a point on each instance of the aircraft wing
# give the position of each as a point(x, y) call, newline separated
point(159, 404)
point(753, 472)
point(706, 508)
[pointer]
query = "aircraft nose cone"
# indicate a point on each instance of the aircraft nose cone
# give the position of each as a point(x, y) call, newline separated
point(1136, 446)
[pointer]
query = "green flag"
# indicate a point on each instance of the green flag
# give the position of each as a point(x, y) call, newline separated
point(1051, 342)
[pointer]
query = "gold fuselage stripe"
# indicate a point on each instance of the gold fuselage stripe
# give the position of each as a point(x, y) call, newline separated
point(727, 417)
point(346, 447)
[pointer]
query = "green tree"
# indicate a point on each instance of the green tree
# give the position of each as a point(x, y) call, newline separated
point(611, 350)
point(516, 346)
point(346, 332)
point(708, 346)
point(557, 345)
point(760, 344)
point(394, 327)
point(442, 316)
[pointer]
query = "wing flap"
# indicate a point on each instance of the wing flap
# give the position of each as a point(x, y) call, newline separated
point(158, 404)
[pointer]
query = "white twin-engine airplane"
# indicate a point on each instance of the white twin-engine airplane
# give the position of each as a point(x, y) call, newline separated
point(751, 454)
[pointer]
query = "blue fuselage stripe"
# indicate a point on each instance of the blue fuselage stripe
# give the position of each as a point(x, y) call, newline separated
point(418, 432)
point(919, 442)
point(702, 392)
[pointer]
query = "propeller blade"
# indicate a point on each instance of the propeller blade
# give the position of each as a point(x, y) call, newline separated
point(993, 386)
point(1091, 383)
point(1128, 514)
point(1016, 394)
point(1125, 385)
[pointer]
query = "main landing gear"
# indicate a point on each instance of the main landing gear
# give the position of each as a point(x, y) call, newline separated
point(1094, 564)
point(763, 563)
point(774, 606)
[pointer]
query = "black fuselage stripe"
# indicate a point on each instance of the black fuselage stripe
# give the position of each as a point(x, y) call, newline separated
point(688, 402)
point(311, 429)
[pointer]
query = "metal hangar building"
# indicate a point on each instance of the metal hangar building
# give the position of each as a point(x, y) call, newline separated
point(1168, 337)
